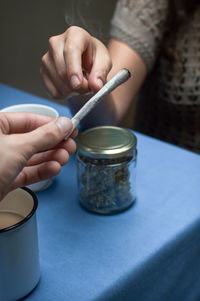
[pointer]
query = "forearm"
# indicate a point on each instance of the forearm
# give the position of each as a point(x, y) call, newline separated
point(125, 57)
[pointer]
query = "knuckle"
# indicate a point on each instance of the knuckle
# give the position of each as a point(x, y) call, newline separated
point(50, 136)
point(30, 150)
point(74, 29)
point(70, 30)
point(62, 73)
point(70, 46)
point(24, 177)
point(51, 41)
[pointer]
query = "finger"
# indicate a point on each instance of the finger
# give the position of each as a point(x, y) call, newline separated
point(33, 174)
point(21, 122)
point(49, 135)
point(41, 139)
point(101, 66)
point(54, 90)
point(49, 71)
point(56, 50)
point(55, 59)
point(50, 87)
point(68, 144)
point(74, 50)
point(59, 155)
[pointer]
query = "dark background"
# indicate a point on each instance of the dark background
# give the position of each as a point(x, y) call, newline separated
point(25, 27)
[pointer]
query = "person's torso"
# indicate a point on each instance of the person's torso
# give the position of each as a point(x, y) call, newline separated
point(169, 105)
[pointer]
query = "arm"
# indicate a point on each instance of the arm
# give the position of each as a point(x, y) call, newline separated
point(77, 61)
point(124, 56)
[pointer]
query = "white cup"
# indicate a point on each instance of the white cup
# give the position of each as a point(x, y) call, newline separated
point(19, 252)
point(41, 110)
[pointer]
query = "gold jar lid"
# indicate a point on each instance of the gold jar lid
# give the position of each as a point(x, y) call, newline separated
point(106, 142)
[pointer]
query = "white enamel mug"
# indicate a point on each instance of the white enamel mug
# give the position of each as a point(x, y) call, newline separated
point(41, 110)
point(19, 254)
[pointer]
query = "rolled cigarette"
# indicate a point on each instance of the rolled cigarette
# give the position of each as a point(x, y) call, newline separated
point(121, 77)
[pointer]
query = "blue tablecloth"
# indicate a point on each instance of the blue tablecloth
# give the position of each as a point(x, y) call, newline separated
point(149, 252)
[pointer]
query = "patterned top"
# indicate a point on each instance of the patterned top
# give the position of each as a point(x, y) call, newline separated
point(169, 101)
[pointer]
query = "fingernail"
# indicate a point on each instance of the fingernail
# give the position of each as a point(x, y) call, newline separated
point(99, 83)
point(75, 82)
point(64, 124)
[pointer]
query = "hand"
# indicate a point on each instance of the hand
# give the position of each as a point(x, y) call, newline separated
point(32, 148)
point(75, 61)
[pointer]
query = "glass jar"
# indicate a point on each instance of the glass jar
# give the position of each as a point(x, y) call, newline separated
point(106, 169)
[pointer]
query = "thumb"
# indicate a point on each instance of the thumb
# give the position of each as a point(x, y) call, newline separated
point(48, 135)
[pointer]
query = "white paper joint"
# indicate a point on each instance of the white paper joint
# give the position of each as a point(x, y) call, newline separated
point(121, 77)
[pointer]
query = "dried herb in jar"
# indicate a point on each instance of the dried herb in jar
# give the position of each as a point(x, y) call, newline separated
point(106, 181)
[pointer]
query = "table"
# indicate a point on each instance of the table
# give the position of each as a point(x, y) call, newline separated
point(149, 252)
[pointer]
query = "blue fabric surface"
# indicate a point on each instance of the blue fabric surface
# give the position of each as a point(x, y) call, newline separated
point(149, 252)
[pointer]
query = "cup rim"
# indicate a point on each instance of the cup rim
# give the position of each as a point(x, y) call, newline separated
point(31, 213)
point(4, 110)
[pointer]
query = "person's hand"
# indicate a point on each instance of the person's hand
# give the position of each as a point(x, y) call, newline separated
point(75, 61)
point(32, 148)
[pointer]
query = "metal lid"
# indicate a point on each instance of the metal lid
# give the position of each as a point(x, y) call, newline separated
point(106, 142)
